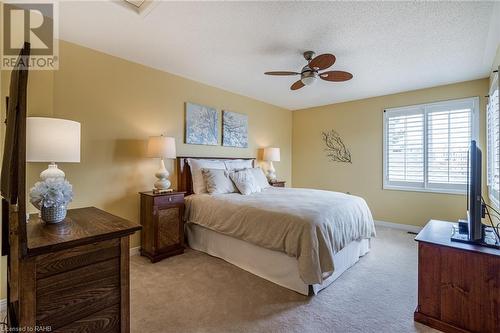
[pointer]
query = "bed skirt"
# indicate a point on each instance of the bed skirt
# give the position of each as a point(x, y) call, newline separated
point(271, 265)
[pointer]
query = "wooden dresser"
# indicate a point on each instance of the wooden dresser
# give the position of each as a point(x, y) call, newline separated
point(458, 284)
point(162, 219)
point(75, 276)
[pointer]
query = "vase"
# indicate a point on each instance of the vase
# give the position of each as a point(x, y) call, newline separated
point(53, 214)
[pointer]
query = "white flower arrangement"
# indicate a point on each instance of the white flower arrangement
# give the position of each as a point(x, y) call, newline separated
point(52, 192)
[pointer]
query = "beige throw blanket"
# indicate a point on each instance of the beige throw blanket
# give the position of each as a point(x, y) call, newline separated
point(310, 225)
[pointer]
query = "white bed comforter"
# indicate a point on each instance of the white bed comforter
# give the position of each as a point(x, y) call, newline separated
point(311, 225)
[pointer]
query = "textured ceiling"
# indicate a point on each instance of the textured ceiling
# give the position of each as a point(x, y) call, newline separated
point(389, 47)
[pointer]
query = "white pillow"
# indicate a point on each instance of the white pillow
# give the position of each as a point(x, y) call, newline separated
point(260, 178)
point(218, 181)
point(244, 181)
point(196, 166)
point(238, 164)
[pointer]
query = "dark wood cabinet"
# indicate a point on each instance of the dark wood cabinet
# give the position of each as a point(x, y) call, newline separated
point(458, 284)
point(162, 217)
point(277, 183)
point(75, 277)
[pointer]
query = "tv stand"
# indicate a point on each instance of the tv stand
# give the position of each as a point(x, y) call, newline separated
point(458, 283)
point(489, 238)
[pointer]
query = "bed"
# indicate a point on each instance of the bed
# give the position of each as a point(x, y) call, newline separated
point(301, 239)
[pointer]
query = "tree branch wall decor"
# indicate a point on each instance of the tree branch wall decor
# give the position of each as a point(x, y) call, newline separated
point(335, 149)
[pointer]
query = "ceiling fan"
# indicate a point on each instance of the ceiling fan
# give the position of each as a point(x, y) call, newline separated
point(310, 72)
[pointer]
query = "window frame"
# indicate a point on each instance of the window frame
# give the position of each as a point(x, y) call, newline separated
point(495, 85)
point(424, 109)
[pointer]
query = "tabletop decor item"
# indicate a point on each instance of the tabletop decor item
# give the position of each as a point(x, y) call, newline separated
point(234, 129)
point(202, 124)
point(335, 149)
point(271, 154)
point(52, 196)
point(161, 147)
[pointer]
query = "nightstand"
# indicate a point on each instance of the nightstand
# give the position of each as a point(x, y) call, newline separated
point(162, 224)
point(277, 183)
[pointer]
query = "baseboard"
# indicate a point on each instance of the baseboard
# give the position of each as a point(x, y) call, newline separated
point(405, 227)
point(135, 250)
point(3, 305)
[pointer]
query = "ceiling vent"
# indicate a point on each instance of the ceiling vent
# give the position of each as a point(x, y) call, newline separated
point(141, 7)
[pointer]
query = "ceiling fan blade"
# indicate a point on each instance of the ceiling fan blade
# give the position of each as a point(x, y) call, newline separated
point(322, 61)
point(297, 85)
point(281, 73)
point(335, 76)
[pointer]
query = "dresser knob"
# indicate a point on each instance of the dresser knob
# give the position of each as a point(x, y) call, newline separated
point(169, 199)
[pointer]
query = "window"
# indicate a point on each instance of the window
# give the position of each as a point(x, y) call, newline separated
point(426, 146)
point(493, 144)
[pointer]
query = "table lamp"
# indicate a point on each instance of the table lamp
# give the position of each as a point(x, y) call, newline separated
point(52, 140)
point(271, 154)
point(161, 147)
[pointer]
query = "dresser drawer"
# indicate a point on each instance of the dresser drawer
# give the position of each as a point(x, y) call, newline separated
point(69, 296)
point(105, 321)
point(169, 200)
point(61, 261)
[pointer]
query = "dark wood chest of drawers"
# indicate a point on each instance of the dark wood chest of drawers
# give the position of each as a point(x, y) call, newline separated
point(75, 277)
point(162, 221)
point(458, 283)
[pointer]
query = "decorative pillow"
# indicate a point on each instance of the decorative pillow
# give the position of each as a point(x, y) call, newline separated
point(218, 181)
point(260, 178)
point(196, 166)
point(238, 164)
point(244, 181)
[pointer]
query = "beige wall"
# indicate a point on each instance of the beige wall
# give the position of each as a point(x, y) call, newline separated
point(360, 125)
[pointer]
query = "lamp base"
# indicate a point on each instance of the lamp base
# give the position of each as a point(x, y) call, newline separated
point(271, 172)
point(162, 174)
point(52, 172)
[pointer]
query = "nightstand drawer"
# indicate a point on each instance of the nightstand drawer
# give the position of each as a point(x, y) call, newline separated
point(169, 200)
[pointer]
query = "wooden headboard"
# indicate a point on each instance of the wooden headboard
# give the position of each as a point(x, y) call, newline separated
point(184, 177)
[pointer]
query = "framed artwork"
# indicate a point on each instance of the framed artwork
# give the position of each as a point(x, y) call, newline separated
point(202, 124)
point(234, 129)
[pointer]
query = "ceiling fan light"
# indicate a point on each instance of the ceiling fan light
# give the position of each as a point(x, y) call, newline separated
point(308, 80)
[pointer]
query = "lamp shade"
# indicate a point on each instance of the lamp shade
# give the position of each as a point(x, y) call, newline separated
point(271, 154)
point(52, 140)
point(161, 146)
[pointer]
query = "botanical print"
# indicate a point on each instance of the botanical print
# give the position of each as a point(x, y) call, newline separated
point(234, 129)
point(335, 149)
point(201, 125)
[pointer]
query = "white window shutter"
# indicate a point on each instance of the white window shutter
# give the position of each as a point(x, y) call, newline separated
point(493, 144)
point(405, 139)
point(426, 146)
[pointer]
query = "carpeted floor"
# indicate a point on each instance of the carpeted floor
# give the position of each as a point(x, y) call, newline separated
point(195, 292)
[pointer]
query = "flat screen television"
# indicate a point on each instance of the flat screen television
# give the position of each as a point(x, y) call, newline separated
point(472, 230)
point(474, 202)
